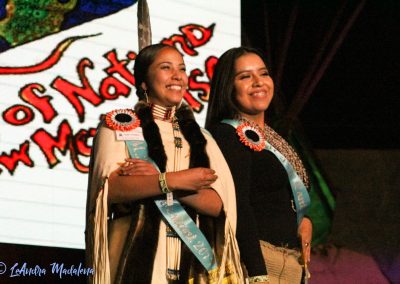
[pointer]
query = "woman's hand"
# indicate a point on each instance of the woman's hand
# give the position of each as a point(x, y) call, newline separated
point(138, 179)
point(191, 179)
point(137, 167)
point(305, 234)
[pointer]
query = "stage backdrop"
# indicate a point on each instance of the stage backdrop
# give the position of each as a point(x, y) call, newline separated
point(63, 64)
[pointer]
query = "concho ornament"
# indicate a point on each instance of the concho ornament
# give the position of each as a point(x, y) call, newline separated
point(122, 120)
point(251, 136)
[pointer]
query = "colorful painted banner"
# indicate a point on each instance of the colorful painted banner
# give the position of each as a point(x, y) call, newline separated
point(57, 80)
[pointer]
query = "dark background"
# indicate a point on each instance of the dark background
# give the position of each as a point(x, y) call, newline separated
point(356, 103)
point(351, 120)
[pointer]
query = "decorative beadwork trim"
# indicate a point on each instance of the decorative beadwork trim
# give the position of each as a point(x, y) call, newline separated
point(163, 113)
point(259, 278)
point(122, 120)
point(244, 129)
point(280, 144)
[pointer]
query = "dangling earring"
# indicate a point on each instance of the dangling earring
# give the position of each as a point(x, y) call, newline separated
point(146, 96)
point(180, 104)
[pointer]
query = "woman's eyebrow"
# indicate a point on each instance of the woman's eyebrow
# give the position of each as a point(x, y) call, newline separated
point(249, 70)
point(169, 62)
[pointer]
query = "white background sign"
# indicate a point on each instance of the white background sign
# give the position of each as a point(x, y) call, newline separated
point(43, 161)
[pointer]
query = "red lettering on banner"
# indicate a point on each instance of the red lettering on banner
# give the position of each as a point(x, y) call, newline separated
point(111, 88)
point(189, 32)
point(47, 63)
point(42, 104)
point(71, 91)
point(194, 104)
point(188, 40)
point(64, 141)
point(202, 86)
point(183, 42)
point(210, 66)
point(81, 141)
point(11, 115)
point(80, 147)
point(48, 143)
point(118, 82)
point(11, 161)
point(119, 66)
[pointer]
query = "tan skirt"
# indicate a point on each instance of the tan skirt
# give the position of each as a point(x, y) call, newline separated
point(282, 264)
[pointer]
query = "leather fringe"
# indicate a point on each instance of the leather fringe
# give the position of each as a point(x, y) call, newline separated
point(136, 263)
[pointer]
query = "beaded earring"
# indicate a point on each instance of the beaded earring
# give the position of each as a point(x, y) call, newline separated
point(146, 96)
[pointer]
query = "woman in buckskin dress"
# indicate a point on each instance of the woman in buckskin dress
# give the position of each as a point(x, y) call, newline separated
point(161, 200)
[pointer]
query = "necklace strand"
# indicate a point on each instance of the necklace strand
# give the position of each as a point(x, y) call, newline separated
point(174, 244)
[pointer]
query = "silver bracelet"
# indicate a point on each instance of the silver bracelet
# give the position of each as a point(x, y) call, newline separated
point(163, 183)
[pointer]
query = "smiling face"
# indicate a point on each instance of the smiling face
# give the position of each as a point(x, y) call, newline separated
point(166, 78)
point(254, 87)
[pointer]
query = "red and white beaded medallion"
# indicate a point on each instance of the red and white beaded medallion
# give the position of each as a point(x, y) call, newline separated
point(122, 120)
point(251, 136)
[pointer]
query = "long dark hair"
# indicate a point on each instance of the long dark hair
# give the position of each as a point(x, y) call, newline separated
point(222, 102)
point(142, 63)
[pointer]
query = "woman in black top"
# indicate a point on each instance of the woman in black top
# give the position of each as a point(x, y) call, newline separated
point(268, 212)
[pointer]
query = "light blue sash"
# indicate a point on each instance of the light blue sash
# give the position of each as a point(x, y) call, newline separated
point(300, 193)
point(176, 215)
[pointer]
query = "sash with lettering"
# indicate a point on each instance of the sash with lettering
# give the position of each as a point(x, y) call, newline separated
point(299, 190)
point(177, 217)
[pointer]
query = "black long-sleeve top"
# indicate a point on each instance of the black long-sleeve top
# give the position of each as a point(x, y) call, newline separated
point(263, 196)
